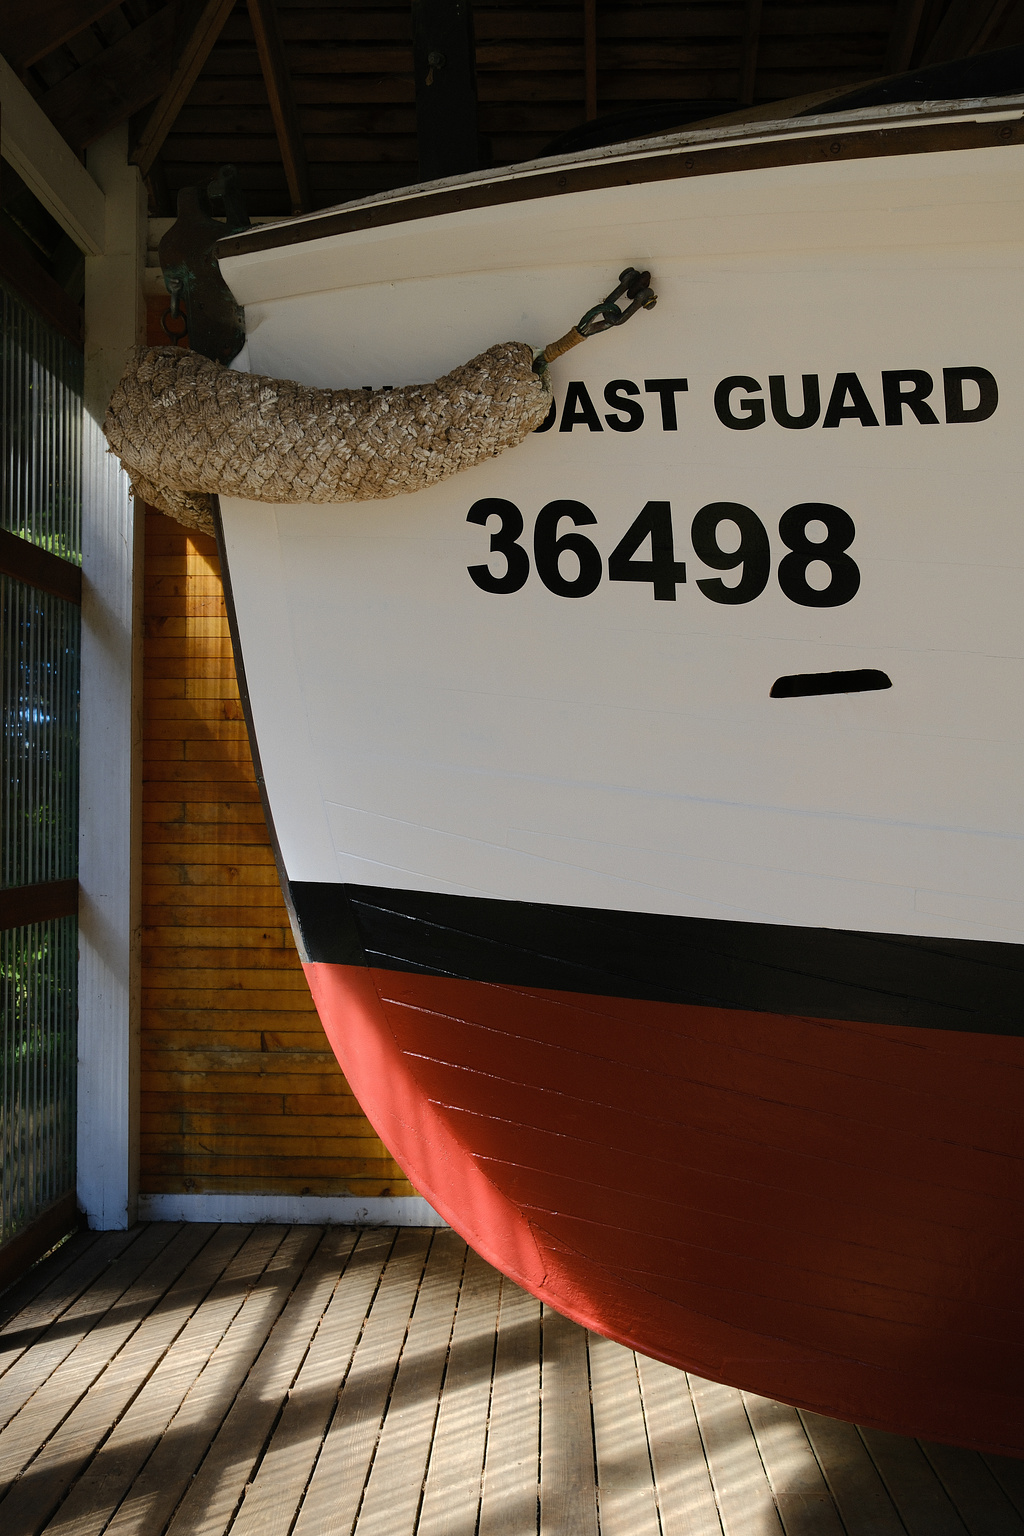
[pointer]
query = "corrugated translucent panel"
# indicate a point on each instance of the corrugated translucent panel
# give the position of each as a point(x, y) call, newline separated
point(40, 500)
point(39, 651)
point(38, 1059)
point(40, 431)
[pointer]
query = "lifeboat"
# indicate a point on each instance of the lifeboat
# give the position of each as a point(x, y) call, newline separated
point(649, 798)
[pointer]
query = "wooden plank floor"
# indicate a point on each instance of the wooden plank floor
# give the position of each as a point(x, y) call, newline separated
point(196, 1380)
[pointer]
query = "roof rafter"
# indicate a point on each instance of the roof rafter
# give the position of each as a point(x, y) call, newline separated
point(590, 57)
point(965, 29)
point(266, 27)
point(748, 57)
point(903, 37)
point(183, 77)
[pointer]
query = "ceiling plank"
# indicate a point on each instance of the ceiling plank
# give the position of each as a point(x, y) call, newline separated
point(266, 27)
point(184, 75)
point(29, 33)
point(113, 85)
point(748, 57)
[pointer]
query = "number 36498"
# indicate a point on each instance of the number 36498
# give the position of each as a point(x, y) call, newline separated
point(570, 564)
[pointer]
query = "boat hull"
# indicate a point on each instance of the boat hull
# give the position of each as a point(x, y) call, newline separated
point(649, 796)
point(827, 1209)
point(796, 1204)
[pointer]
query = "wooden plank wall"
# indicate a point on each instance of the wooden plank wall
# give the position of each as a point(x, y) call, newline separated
point(240, 1091)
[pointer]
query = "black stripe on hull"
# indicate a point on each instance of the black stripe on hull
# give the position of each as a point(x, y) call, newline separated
point(927, 983)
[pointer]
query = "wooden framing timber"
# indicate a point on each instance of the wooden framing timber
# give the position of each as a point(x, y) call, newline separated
point(38, 568)
point(266, 27)
point(194, 55)
point(40, 903)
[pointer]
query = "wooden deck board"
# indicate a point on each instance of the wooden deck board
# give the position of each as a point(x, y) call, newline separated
point(859, 1493)
point(31, 1303)
point(451, 1495)
point(158, 1489)
point(394, 1489)
point(681, 1473)
point(800, 1492)
point(113, 1470)
point(568, 1482)
point(273, 1496)
point(742, 1490)
point(1009, 1474)
point(977, 1497)
point(54, 1396)
point(336, 1488)
point(508, 1501)
point(196, 1381)
point(627, 1497)
point(209, 1506)
point(920, 1499)
point(35, 1495)
point(61, 1340)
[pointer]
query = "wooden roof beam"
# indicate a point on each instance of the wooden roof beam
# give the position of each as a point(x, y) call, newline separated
point(965, 29)
point(590, 57)
point(266, 27)
point(444, 63)
point(748, 57)
point(29, 32)
point(903, 37)
point(183, 77)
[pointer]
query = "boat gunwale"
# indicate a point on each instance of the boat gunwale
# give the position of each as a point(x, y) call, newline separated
point(867, 133)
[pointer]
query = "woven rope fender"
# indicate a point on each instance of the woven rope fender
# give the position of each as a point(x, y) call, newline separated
point(186, 428)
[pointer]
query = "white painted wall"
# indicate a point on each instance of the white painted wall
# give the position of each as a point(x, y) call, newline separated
point(109, 921)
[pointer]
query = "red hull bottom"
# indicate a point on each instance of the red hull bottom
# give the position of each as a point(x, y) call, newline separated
point(826, 1213)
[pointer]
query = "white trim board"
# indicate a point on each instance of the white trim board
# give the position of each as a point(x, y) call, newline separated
point(110, 821)
point(299, 1210)
point(47, 164)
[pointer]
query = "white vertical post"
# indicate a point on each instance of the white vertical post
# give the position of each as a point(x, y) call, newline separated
point(111, 729)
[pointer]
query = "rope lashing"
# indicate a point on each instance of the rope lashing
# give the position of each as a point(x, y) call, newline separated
point(636, 287)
